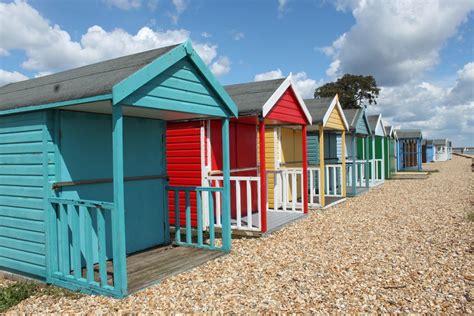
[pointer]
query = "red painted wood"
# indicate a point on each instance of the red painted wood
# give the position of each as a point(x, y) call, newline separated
point(243, 154)
point(287, 109)
point(305, 170)
point(183, 153)
point(263, 178)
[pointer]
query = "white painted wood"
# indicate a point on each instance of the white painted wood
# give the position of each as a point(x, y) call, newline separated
point(249, 204)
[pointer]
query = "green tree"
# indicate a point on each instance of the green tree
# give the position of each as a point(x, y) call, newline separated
point(354, 91)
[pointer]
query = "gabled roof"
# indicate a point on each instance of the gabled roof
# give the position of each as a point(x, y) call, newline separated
point(78, 83)
point(389, 130)
point(321, 108)
point(375, 120)
point(250, 97)
point(440, 142)
point(114, 79)
point(259, 97)
point(408, 133)
point(353, 117)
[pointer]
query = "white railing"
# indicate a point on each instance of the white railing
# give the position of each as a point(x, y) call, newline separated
point(377, 171)
point(314, 187)
point(245, 199)
point(359, 171)
point(288, 188)
point(333, 180)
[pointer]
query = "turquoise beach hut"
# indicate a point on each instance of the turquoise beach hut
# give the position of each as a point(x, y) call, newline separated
point(83, 184)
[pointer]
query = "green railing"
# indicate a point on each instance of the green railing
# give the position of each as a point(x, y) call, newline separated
point(79, 243)
point(206, 199)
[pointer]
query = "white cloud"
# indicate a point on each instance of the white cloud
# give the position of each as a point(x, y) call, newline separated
point(304, 85)
point(238, 36)
point(180, 6)
point(438, 111)
point(124, 4)
point(206, 34)
point(7, 77)
point(269, 75)
point(282, 6)
point(395, 41)
point(221, 66)
point(48, 48)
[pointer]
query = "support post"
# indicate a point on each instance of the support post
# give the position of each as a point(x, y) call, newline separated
point(367, 176)
point(322, 184)
point(354, 164)
point(304, 194)
point(118, 215)
point(263, 176)
point(382, 172)
point(419, 154)
point(373, 176)
point(226, 229)
point(343, 166)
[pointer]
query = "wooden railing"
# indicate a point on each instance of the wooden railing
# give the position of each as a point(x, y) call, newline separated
point(377, 171)
point(208, 200)
point(79, 244)
point(314, 194)
point(333, 180)
point(289, 190)
point(246, 210)
point(359, 171)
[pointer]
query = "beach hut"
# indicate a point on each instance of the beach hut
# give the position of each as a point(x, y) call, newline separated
point(326, 152)
point(83, 181)
point(390, 158)
point(409, 149)
point(376, 150)
point(442, 149)
point(267, 150)
point(357, 162)
point(427, 149)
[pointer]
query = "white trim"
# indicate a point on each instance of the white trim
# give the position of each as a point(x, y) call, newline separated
point(379, 122)
point(335, 103)
point(271, 102)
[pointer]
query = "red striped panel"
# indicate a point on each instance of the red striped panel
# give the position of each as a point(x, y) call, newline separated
point(287, 109)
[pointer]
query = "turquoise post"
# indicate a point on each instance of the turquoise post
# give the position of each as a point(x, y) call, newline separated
point(118, 214)
point(226, 230)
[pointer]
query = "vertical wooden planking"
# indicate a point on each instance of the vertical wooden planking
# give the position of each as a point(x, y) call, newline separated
point(304, 192)
point(76, 243)
point(294, 191)
point(263, 177)
point(212, 234)
point(249, 204)
point(334, 179)
point(188, 216)
point(65, 267)
point(343, 164)
point(285, 190)
point(218, 204)
point(322, 167)
point(118, 214)
point(199, 216)
point(238, 204)
point(226, 224)
point(101, 242)
point(177, 221)
point(88, 245)
point(366, 152)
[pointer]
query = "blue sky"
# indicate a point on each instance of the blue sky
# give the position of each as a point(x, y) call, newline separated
point(420, 52)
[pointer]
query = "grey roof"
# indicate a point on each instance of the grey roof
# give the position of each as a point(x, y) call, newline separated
point(373, 121)
point(318, 108)
point(250, 97)
point(387, 130)
point(408, 133)
point(82, 82)
point(443, 141)
point(352, 116)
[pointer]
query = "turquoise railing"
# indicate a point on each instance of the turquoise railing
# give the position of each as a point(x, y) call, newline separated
point(184, 233)
point(79, 230)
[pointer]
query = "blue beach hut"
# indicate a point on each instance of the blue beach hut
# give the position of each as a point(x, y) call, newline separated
point(83, 184)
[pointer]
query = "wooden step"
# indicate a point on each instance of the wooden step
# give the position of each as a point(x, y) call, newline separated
point(407, 175)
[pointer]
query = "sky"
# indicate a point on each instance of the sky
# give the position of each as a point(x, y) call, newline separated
point(421, 52)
